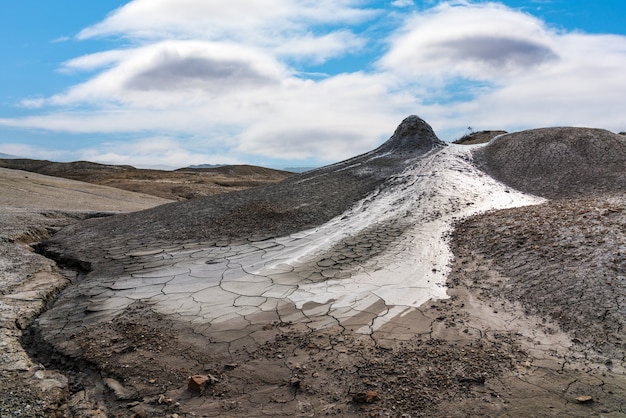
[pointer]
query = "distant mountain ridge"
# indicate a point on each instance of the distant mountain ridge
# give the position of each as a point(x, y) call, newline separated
point(7, 156)
point(198, 166)
point(299, 169)
point(211, 166)
point(181, 184)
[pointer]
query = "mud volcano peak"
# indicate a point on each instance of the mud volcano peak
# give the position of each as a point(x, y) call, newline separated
point(299, 202)
point(412, 134)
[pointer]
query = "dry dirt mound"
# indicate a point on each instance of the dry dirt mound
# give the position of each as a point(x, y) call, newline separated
point(558, 162)
point(180, 184)
point(66, 170)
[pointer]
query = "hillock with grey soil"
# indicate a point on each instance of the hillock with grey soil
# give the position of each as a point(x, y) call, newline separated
point(558, 162)
point(479, 137)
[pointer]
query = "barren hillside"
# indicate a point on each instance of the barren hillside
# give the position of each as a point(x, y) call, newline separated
point(558, 162)
point(182, 184)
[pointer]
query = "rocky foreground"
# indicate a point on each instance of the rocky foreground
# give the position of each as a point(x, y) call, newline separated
point(334, 292)
point(33, 207)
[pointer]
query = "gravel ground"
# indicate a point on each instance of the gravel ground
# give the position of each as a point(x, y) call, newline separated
point(565, 260)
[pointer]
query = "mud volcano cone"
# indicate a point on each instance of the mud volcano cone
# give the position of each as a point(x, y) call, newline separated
point(299, 202)
point(411, 135)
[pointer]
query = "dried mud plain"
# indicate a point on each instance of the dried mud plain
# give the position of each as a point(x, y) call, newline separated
point(383, 311)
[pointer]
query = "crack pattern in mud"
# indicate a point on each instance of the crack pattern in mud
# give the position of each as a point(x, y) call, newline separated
point(359, 270)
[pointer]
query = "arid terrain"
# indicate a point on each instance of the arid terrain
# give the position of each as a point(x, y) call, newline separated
point(181, 184)
point(420, 279)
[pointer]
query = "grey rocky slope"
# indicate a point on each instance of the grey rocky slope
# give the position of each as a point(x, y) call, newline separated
point(558, 162)
point(299, 202)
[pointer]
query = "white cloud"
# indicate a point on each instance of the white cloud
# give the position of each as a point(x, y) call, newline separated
point(529, 74)
point(163, 152)
point(96, 61)
point(482, 41)
point(332, 119)
point(402, 3)
point(268, 24)
point(235, 74)
point(328, 119)
point(166, 73)
point(318, 49)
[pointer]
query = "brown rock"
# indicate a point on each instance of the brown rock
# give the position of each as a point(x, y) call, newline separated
point(197, 382)
point(584, 399)
point(365, 397)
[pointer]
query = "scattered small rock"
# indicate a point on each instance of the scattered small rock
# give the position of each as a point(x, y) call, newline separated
point(365, 397)
point(164, 400)
point(198, 381)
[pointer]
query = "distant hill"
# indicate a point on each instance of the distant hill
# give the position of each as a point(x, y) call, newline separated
point(235, 170)
point(204, 166)
point(3, 155)
point(182, 184)
point(299, 169)
point(289, 169)
point(480, 137)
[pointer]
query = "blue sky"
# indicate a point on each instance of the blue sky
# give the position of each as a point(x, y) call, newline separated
point(283, 83)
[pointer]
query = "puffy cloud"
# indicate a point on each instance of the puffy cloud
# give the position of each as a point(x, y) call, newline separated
point(327, 119)
point(478, 41)
point(194, 65)
point(169, 72)
point(233, 79)
point(331, 119)
point(490, 66)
